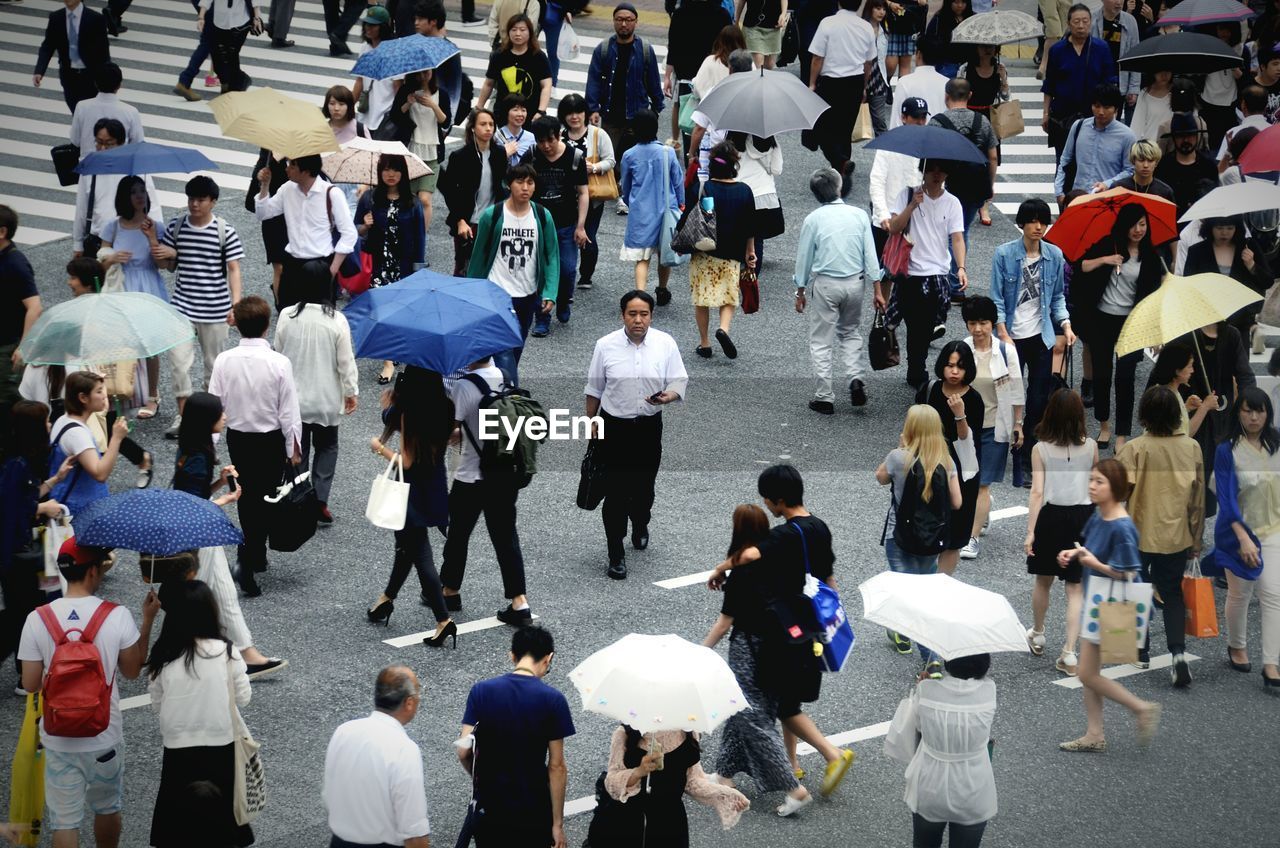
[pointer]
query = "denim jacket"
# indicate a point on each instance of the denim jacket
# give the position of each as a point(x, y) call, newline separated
point(1006, 282)
point(644, 85)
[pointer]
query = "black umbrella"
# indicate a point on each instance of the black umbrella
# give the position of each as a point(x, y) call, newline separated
point(1181, 52)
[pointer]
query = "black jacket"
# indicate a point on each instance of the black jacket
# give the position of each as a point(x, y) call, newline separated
point(1200, 260)
point(95, 51)
point(1087, 288)
point(461, 178)
point(694, 27)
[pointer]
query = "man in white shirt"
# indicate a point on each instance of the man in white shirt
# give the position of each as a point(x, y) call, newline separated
point(373, 783)
point(473, 495)
point(107, 104)
point(937, 235)
point(634, 372)
point(924, 81)
point(312, 210)
point(894, 175)
point(1253, 106)
point(843, 50)
point(85, 771)
point(264, 426)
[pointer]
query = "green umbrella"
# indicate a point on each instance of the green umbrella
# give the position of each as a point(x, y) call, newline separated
point(105, 328)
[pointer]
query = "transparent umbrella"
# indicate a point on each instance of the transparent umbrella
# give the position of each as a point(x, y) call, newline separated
point(104, 328)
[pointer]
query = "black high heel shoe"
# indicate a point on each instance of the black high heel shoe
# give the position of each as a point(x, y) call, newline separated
point(381, 613)
point(437, 641)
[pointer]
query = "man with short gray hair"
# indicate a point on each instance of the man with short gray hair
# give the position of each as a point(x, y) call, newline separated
point(835, 258)
point(373, 784)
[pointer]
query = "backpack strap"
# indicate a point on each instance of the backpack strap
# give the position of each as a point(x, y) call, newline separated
point(482, 386)
point(96, 621)
point(51, 624)
point(222, 242)
point(75, 475)
point(804, 545)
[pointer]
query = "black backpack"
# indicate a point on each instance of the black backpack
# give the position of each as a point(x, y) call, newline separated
point(922, 527)
point(502, 462)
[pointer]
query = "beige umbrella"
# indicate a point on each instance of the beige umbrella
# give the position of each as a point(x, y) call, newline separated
point(1180, 305)
point(357, 161)
point(267, 118)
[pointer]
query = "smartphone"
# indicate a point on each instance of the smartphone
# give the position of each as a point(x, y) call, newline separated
point(655, 397)
point(231, 483)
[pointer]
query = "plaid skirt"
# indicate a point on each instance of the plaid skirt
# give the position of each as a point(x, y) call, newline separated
point(901, 44)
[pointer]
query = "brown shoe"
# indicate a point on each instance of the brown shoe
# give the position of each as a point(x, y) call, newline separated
point(185, 91)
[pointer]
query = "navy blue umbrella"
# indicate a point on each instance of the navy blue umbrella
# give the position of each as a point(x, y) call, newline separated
point(145, 157)
point(433, 321)
point(928, 142)
point(156, 521)
point(405, 55)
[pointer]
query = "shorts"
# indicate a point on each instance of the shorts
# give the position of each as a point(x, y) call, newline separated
point(636, 254)
point(992, 457)
point(901, 44)
point(72, 781)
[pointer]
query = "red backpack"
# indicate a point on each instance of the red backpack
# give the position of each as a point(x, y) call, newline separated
point(77, 695)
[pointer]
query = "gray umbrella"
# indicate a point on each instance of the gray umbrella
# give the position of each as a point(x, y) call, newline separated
point(762, 103)
point(997, 28)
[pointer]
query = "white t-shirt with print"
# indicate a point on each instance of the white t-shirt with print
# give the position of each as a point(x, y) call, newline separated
point(515, 268)
point(1026, 316)
point(117, 633)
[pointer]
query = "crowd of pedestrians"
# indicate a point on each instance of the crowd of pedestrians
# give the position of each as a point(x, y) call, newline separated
point(524, 196)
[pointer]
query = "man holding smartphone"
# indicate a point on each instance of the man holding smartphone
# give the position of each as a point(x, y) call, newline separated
point(634, 372)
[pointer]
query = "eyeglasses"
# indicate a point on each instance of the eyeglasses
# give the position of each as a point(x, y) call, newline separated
point(623, 19)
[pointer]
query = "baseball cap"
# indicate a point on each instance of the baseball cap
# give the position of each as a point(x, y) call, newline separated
point(72, 554)
point(375, 15)
point(915, 107)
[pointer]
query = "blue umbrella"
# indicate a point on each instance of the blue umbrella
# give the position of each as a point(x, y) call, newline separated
point(156, 521)
point(433, 321)
point(928, 142)
point(145, 157)
point(404, 55)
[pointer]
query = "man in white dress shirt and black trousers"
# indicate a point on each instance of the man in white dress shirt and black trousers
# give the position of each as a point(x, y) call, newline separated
point(634, 372)
point(264, 426)
point(373, 784)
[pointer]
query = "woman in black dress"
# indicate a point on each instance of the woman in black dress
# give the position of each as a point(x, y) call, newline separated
point(958, 404)
point(988, 86)
point(1225, 249)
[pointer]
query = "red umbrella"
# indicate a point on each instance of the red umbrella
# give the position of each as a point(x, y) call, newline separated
point(1263, 153)
point(1090, 218)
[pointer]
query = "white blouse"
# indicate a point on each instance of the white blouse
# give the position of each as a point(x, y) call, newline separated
point(194, 704)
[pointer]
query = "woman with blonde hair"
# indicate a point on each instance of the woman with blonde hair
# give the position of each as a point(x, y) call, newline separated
point(921, 446)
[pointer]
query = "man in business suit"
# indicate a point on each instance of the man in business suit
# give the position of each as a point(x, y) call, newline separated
point(79, 36)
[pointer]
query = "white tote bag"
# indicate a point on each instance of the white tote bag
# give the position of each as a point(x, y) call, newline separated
point(249, 794)
point(389, 497)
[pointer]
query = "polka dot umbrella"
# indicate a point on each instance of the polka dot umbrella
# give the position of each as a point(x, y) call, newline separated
point(157, 521)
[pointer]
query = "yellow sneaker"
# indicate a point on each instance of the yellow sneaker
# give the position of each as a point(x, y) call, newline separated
point(836, 771)
point(798, 772)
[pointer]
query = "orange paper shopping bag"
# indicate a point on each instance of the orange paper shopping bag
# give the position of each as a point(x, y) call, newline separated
point(1202, 611)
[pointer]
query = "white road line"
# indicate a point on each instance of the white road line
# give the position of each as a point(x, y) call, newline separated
point(468, 627)
point(1118, 671)
point(137, 700)
point(681, 582)
point(1008, 512)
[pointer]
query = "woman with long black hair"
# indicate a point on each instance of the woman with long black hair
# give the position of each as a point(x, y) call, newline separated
point(1224, 248)
point(942, 25)
point(1113, 277)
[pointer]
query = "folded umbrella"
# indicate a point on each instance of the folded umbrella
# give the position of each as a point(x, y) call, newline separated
point(156, 521)
point(433, 321)
point(266, 118)
point(653, 683)
point(104, 328)
point(357, 162)
point(1180, 305)
point(1198, 12)
point(1091, 217)
point(951, 618)
point(1181, 52)
point(997, 28)
point(406, 55)
point(1262, 155)
point(145, 157)
point(1237, 199)
point(928, 142)
point(763, 103)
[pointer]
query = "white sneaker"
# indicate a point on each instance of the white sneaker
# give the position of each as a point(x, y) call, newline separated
point(621, 207)
point(970, 551)
point(172, 432)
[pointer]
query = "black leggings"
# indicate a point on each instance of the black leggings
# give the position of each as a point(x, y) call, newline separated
point(928, 834)
point(413, 549)
point(1102, 347)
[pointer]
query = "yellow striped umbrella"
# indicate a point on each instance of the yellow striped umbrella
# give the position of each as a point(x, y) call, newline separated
point(284, 125)
point(1180, 305)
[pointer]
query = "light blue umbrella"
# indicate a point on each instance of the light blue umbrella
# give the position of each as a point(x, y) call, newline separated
point(405, 55)
point(105, 328)
point(145, 157)
point(163, 522)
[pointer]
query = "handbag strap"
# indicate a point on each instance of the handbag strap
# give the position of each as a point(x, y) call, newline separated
point(804, 545)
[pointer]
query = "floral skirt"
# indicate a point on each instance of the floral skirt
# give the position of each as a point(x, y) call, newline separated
point(714, 282)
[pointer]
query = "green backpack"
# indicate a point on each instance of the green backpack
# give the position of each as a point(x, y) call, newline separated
point(503, 459)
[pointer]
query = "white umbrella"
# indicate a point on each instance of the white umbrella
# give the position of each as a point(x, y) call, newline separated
point(653, 683)
point(1238, 199)
point(951, 618)
point(357, 161)
point(997, 28)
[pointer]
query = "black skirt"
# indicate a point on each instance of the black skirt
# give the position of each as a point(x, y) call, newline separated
point(1057, 528)
point(962, 518)
point(181, 811)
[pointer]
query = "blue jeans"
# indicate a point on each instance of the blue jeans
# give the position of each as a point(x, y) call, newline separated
point(198, 55)
point(555, 20)
point(568, 276)
point(509, 360)
point(904, 563)
point(968, 213)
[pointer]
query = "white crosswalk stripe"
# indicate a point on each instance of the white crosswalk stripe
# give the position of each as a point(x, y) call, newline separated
point(157, 47)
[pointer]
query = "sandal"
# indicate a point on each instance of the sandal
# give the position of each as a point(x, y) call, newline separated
point(150, 409)
point(1068, 663)
point(1083, 746)
point(1035, 641)
point(984, 219)
point(791, 806)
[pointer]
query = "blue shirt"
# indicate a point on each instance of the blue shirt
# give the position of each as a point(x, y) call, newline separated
point(836, 241)
point(1114, 543)
point(1006, 284)
point(515, 716)
point(642, 189)
point(1071, 77)
point(1100, 156)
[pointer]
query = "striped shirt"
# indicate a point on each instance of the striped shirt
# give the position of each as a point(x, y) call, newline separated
point(202, 292)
